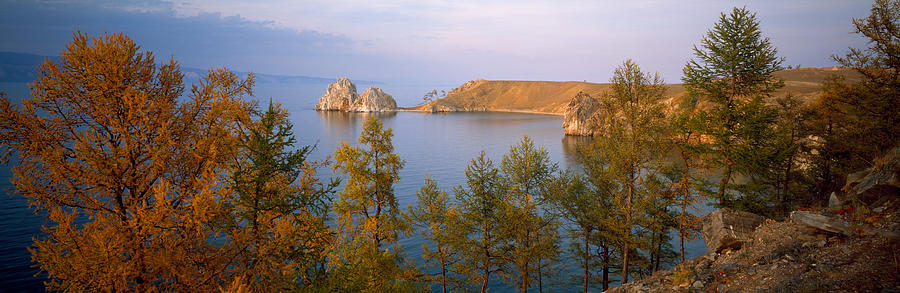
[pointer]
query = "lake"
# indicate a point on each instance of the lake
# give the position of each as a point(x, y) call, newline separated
point(435, 145)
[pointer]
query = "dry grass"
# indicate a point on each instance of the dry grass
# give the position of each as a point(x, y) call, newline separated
point(553, 96)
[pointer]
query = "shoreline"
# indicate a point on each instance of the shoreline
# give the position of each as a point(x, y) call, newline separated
point(412, 109)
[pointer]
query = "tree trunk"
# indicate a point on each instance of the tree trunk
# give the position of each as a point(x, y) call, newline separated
point(628, 211)
point(540, 277)
point(722, 184)
point(443, 271)
point(586, 258)
point(484, 279)
point(605, 267)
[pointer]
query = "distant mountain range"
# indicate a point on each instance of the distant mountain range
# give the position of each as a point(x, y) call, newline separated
point(22, 67)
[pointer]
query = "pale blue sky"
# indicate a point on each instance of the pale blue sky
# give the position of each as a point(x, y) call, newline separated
point(430, 41)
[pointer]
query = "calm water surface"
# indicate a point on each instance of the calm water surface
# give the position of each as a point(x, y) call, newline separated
point(436, 145)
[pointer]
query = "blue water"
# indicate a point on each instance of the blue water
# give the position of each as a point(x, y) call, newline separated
point(436, 145)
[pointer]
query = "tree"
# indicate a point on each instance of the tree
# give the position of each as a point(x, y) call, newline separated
point(530, 234)
point(481, 202)
point(433, 94)
point(686, 176)
point(276, 208)
point(861, 121)
point(733, 70)
point(438, 218)
point(367, 213)
point(572, 197)
point(628, 146)
point(125, 168)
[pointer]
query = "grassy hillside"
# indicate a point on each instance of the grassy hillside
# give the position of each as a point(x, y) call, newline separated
point(552, 96)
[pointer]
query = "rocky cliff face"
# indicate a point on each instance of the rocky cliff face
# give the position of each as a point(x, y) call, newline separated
point(580, 114)
point(374, 100)
point(341, 95)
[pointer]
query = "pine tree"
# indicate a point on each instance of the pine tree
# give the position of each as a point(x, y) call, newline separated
point(368, 216)
point(572, 197)
point(686, 175)
point(530, 234)
point(439, 220)
point(733, 70)
point(276, 207)
point(858, 122)
point(481, 201)
point(628, 147)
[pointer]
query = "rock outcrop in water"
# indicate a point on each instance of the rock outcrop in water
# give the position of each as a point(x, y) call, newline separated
point(341, 95)
point(374, 100)
point(582, 112)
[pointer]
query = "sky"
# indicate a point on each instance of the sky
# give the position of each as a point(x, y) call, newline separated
point(431, 41)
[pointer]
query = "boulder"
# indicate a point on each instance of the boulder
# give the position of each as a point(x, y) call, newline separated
point(581, 114)
point(727, 228)
point(374, 100)
point(880, 181)
point(834, 203)
point(821, 222)
point(339, 96)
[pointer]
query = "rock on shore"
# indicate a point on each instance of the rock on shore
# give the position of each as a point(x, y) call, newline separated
point(341, 95)
point(581, 113)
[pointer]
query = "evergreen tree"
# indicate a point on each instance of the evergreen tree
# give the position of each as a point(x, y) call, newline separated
point(481, 201)
point(276, 207)
point(733, 70)
point(530, 234)
point(627, 148)
point(857, 122)
point(439, 220)
point(686, 176)
point(368, 216)
point(570, 196)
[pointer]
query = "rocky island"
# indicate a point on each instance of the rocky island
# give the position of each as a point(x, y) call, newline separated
point(341, 95)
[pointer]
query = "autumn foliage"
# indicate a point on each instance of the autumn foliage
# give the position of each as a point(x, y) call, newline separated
point(146, 188)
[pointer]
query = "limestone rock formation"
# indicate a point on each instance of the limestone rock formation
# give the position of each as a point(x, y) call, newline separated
point(374, 100)
point(339, 96)
point(727, 228)
point(581, 113)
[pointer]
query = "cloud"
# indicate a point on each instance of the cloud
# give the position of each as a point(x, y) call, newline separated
point(434, 40)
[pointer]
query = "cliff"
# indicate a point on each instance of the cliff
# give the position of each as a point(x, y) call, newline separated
point(581, 112)
point(341, 95)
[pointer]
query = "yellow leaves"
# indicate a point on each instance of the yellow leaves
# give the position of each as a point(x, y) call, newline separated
point(237, 286)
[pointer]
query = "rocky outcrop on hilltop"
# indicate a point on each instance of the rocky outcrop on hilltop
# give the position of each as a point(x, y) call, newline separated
point(581, 113)
point(341, 95)
point(374, 100)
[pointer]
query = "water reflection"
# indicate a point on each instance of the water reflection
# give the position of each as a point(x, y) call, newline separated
point(570, 145)
point(339, 123)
